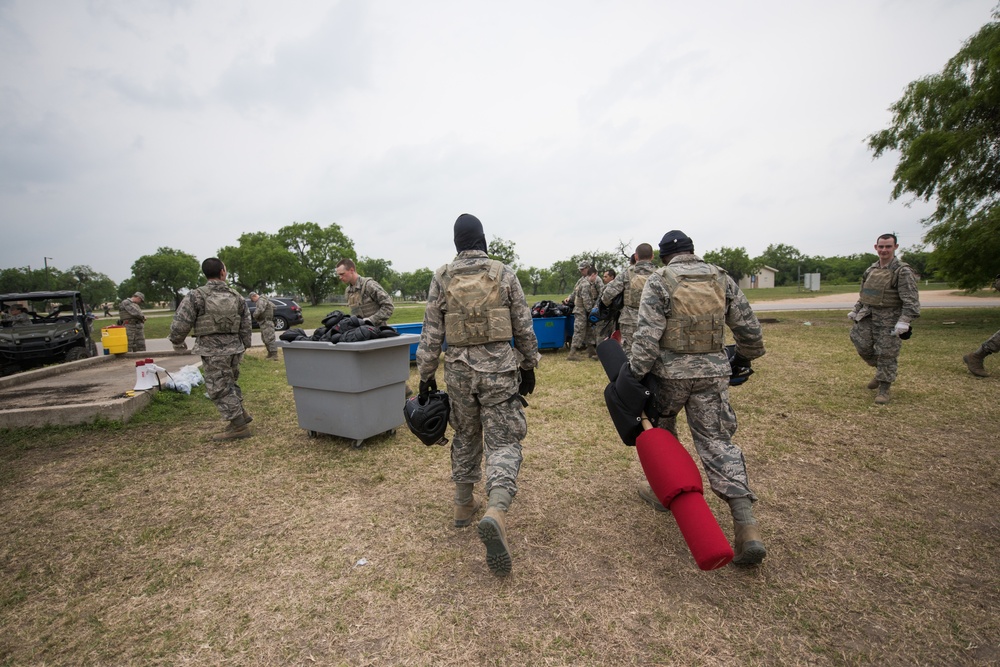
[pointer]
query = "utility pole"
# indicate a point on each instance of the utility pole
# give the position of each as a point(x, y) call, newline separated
point(46, 260)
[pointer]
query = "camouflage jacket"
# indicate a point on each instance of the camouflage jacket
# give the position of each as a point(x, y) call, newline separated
point(489, 357)
point(213, 345)
point(128, 310)
point(908, 293)
point(585, 295)
point(375, 303)
point(263, 310)
point(654, 310)
point(628, 315)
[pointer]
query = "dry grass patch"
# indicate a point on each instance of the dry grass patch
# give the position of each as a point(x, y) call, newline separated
point(145, 544)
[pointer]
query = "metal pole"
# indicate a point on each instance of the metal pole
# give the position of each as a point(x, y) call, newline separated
point(46, 260)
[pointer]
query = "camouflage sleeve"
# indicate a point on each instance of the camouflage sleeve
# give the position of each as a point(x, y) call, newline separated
point(525, 340)
point(590, 294)
point(613, 289)
point(432, 334)
point(908, 294)
point(260, 310)
point(741, 319)
point(653, 307)
point(183, 319)
point(246, 327)
point(378, 294)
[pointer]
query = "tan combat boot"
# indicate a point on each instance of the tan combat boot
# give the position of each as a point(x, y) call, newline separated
point(646, 493)
point(464, 514)
point(882, 397)
point(237, 430)
point(493, 533)
point(974, 360)
point(247, 417)
point(749, 549)
point(574, 355)
point(273, 356)
point(592, 351)
point(873, 384)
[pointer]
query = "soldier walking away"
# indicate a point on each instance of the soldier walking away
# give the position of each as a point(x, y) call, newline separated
point(219, 319)
point(584, 298)
point(680, 339)
point(888, 302)
point(264, 316)
point(629, 283)
point(974, 360)
point(367, 299)
point(134, 321)
point(478, 304)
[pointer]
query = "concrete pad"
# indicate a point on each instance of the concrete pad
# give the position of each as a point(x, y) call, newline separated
point(79, 392)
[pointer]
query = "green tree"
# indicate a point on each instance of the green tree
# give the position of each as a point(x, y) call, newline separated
point(94, 287)
point(785, 259)
point(735, 261)
point(259, 262)
point(503, 251)
point(946, 128)
point(166, 274)
point(920, 260)
point(379, 270)
point(415, 284)
point(317, 251)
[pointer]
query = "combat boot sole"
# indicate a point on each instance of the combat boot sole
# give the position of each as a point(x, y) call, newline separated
point(497, 554)
point(750, 549)
point(237, 433)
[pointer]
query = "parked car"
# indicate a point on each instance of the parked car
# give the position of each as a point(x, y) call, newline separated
point(60, 330)
point(287, 313)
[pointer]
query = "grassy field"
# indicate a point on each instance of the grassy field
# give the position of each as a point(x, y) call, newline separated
point(144, 544)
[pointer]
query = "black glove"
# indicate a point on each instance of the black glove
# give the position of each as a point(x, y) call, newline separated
point(527, 381)
point(427, 386)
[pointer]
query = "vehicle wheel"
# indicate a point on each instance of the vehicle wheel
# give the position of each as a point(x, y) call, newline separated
point(77, 353)
point(280, 323)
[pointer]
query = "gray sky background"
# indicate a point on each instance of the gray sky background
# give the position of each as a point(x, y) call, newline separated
point(565, 126)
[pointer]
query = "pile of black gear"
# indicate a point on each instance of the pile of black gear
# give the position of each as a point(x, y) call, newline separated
point(340, 328)
point(550, 309)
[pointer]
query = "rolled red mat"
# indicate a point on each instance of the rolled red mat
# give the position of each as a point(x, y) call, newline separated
point(676, 482)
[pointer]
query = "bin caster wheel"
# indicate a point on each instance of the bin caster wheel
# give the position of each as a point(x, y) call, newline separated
point(312, 434)
point(357, 443)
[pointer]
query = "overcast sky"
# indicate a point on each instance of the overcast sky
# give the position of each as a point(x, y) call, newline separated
point(565, 126)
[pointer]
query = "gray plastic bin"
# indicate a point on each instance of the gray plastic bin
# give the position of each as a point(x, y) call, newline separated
point(351, 390)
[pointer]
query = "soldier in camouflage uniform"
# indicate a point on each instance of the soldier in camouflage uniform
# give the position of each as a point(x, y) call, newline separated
point(680, 339)
point(219, 319)
point(131, 316)
point(367, 299)
point(630, 282)
point(584, 297)
point(888, 303)
point(18, 315)
point(974, 360)
point(478, 303)
point(263, 314)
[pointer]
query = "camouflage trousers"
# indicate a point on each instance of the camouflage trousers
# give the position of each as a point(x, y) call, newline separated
point(267, 336)
point(221, 373)
point(876, 344)
point(487, 418)
point(627, 332)
point(993, 344)
point(713, 423)
point(136, 334)
point(583, 333)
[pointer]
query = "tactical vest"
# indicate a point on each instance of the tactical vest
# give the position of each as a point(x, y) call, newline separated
point(476, 313)
point(359, 306)
point(880, 287)
point(127, 317)
point(696, 322)
point(633, 287)
point(222, 312)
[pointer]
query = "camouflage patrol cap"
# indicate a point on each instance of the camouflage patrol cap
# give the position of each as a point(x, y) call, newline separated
point(584, 264)
point(142, 297)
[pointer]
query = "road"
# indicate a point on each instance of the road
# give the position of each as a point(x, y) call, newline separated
point(928, 299)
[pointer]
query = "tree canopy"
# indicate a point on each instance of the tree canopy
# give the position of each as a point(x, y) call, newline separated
point(946, 128)
point(735, 261)
point(165, 274)
point(259, 263)
point(318, 249)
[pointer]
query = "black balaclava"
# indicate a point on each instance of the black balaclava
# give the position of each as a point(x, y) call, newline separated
point(675, 241)
point(469, 233)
